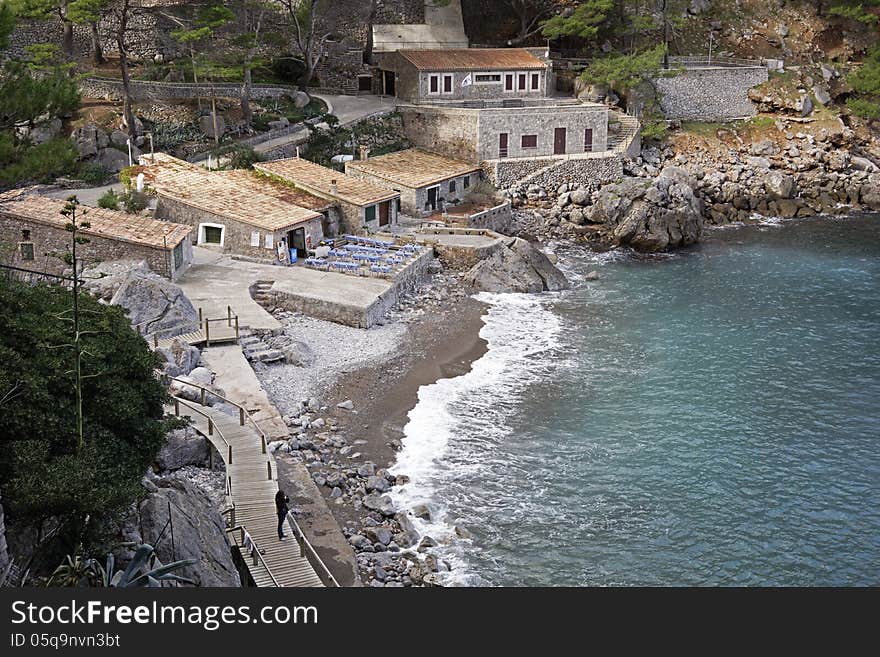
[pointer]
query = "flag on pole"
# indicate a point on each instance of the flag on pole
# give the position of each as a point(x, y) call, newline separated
point(468, 81)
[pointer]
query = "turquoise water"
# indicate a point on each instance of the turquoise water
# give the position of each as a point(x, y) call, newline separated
point(707, 418)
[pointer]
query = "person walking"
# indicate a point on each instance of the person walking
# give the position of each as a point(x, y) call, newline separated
point(281, 507)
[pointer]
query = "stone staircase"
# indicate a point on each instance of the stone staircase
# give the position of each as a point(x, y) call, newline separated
point(261, 292)
point(255, 349)
point(629, 130)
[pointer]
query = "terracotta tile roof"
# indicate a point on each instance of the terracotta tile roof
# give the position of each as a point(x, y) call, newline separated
point(412, 168)
point(473, 59)
point(239, 195)
point(316, 179)
point(120, 226)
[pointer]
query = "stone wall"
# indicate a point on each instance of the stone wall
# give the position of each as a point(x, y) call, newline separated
point(588, 170)
point(236, 235)
point(496, 219)
point(400, 12)
point(451, 131)
point(148, 38)
point(48, 239)
point(710, 94)
point(461, 258)
point(110, 88)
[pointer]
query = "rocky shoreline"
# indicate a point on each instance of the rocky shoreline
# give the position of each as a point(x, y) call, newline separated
point(669, 194)
point(348, 429)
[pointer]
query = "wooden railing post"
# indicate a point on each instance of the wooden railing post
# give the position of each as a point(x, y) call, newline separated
point(176, 406)
point(240, 416)
point(210, 427)
point(229, 460)
point(263, 441)
point(207, 332)
point(236, 327)
point(200, 315)
point(269, 469)
point(228, 315)
point(202, 391)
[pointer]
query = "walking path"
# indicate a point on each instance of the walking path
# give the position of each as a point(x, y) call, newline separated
point(252, 482)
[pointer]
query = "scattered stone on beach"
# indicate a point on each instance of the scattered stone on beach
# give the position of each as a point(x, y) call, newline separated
point(422, 511)
point(426, 542)
point(592, 276)
point(461, 532)
point(347, 405)
point(380, 503)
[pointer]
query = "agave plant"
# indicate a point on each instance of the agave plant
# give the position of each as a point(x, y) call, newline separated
point(144, 569)
point(77, 571)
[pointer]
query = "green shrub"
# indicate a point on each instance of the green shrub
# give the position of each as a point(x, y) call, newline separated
point(92, 174)
point(133, 201)
point(42, 163)
point(109, 200)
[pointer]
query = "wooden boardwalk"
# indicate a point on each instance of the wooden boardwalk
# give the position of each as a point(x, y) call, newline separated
point(252, 483)
point(219, 333)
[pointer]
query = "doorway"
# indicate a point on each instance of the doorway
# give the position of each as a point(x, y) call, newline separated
point(296, 239)
point(365, 84)
point(502, 145)
point(559, 139)
point(385, 213)
point(388, 83)
point(588, 140)
point(433, 195)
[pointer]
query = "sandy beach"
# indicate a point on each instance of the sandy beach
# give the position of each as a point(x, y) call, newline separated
point(375, 374)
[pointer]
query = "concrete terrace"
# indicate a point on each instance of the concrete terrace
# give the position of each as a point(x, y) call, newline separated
point(215, 281)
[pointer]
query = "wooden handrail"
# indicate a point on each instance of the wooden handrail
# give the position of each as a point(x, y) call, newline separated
point(256, 551)
point(243, 414)
point(307, 551)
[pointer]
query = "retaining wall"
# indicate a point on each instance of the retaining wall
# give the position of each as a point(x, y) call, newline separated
point(710, 94)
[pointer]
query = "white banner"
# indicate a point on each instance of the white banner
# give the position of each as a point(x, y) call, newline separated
point(468, 81)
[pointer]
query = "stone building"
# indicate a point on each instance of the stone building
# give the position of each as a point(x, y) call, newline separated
point(237, 211)
point(361, 205)
point(549, 128)
point(443, 75)
point(32, 229)
point(426, 181)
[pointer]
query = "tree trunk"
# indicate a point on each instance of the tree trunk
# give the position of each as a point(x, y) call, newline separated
point(214, 119)
point(246, 114)
point(67, 40)
point(127, 110)
point(97, 51)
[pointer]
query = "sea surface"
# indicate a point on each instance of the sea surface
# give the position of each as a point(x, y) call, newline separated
point(705, 418)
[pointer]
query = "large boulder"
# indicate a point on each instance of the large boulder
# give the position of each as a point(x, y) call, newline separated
point(870, 192)
point(114, 160)
point(300, 99)
point(517, 266)
point(183, 447)
point(650, 216)
point(779, 185)
point(156, 306)
point(88, 139)
point(181, 358)
point(104, 278)
point(199, 532)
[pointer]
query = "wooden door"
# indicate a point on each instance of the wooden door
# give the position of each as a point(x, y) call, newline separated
point(432, 197)
point(559, 139)
point(502, 145)
point(385, 213)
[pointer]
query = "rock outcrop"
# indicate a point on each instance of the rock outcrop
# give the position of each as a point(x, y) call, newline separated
point(184, 447)
point(651, 216)
point(517, 266)
point(156, 305)
point(199, 531)
point(104, 278)
point(181, 358)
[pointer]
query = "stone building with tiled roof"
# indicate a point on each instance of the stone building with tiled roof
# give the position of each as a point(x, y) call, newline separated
point(362, 205)
point(32, 228)
point(238, 211)
point(425, 180)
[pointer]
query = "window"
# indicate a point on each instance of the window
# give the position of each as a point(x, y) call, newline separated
point(466, 182)
point(451, 186)
point(536, 81)
point(508, 82)
point(211, 234)
point(434, 84)
point(588, 140)
point(370, 213)
point(25, 236)
point(522, 81)
point(178, 256)
point(447, 84)
point(530, 141)
point(487, 78)
point(26, 249)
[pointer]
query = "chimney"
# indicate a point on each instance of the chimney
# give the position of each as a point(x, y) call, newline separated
point(364, 151)
point(333, 188)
